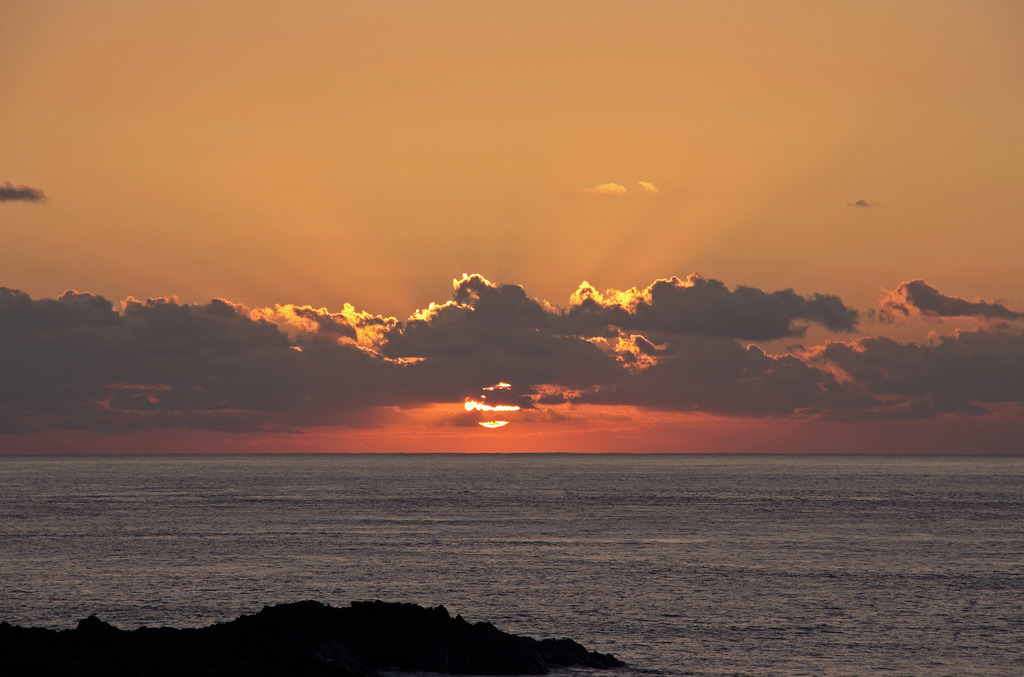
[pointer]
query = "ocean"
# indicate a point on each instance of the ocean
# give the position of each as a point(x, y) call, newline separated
point(705, 565)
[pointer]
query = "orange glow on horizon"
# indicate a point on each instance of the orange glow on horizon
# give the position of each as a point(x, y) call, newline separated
point(493, 424)
point(594, 429)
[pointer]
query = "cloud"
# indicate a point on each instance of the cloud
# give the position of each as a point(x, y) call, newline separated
point(721, 376)
point(917, 297)
point(957, 374)
point(699, 305)
point(494, 333)
point(12, 193)
point(613, 189)
point(859, 203)
point(77, 362)
point(81, 362)
point(305, 324)
point(617, 189)
point(874, 378)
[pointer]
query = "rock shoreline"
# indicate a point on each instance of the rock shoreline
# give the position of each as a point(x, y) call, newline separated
point(307, 639)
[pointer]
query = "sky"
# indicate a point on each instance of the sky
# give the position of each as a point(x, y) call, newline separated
point(651, 226)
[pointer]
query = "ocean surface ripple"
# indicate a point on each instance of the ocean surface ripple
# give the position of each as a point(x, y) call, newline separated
point(679, 565)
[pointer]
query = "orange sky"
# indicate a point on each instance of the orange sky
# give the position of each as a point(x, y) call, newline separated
point(321, 153)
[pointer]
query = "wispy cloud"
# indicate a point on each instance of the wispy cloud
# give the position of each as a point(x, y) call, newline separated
point(617, 189)
point(605, 189)
point(12, 193)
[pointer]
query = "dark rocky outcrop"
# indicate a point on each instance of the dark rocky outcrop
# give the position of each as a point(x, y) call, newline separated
point(306, 639)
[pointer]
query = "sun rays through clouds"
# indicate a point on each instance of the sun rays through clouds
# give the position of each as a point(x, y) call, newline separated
point(688, 345)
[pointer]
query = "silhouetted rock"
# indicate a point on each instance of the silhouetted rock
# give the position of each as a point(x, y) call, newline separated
point(304, 639)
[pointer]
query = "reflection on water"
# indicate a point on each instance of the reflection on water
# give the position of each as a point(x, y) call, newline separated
point(707, 565)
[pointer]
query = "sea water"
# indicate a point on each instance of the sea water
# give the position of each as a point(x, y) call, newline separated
point(679, 565)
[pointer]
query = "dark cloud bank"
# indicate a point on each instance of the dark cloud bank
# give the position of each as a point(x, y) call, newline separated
point(12, 193)
point(80, 362)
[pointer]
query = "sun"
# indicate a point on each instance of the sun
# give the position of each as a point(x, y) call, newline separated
point(479, 405)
